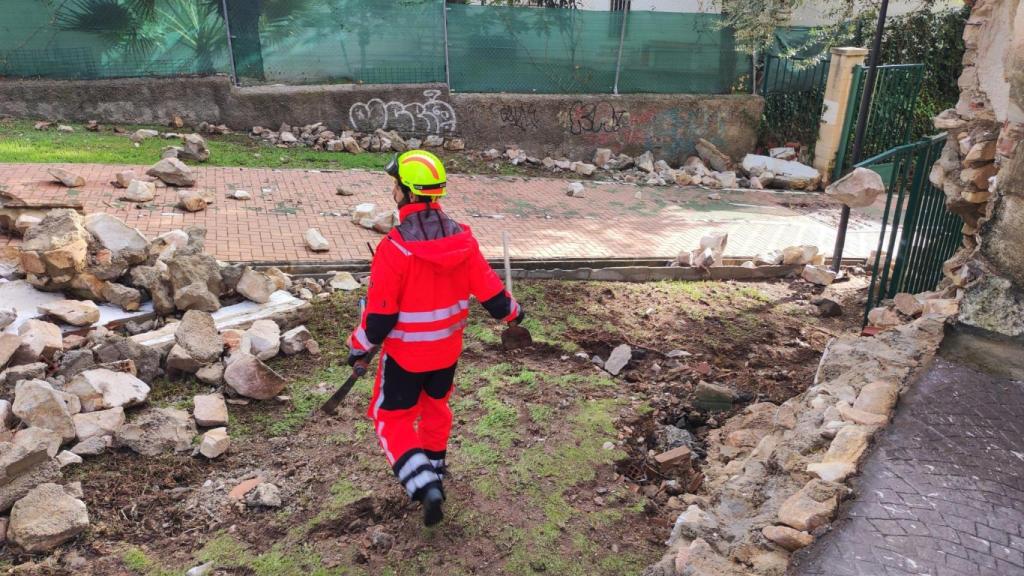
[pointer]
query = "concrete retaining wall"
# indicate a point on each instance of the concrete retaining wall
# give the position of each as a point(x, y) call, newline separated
point(555, 125)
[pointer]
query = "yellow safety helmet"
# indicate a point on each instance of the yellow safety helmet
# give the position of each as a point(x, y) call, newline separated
point(420, 172)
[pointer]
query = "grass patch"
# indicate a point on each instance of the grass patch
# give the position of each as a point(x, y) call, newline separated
point(20, 142)
point(227, 552)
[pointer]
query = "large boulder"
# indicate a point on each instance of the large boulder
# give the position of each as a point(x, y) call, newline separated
point(45, 518)
point(251, 378)
point(73, 312)
point(114, 235)
point(264, 339)
point(786, 173)
point(858, 189)
point(256, 286)
point(102, 389)
point(173, 171)
point(115, 347)
point(36, 403)
point(197, 334)
point(157, 431)
point(99, 423)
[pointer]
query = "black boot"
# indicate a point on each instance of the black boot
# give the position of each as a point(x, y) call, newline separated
point(432, 500)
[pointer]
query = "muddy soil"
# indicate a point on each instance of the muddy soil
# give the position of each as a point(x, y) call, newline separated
point(550, 456)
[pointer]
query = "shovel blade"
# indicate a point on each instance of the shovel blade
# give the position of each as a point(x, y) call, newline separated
point(515, 337)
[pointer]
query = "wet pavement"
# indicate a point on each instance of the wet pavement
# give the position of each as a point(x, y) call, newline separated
point(942, 492)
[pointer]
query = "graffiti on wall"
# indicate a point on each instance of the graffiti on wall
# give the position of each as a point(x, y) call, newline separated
point(521, 116)
point(430, 117)
point(596, 117)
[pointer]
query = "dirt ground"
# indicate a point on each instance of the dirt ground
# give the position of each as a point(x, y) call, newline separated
point(533, 488)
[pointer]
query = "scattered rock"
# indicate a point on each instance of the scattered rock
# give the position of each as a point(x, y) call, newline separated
point(45, 518)
point(848, 446)
point(602, 156)
point(69, 179)
point(7, 317)
point(238, 492)
point(9, 344)
point(713, 157)
point(713, 397)
point(73, 312)
point(142, 134)
point(191, 201)
point(39, 340)
point(194, 148)
point(215, 442)
point(93, 446)
point(829, 308)
point(139, 191)
point(265, 494)
point(785, 173)
point(156, 431)
point(201, 570)
point(858, 189)
point(256, 286)
point(344, 281)
point(584, 169)
point(316, 241)
point(239, 195)
point(818, 275)
point(831, 472)
point(101, 389)
point(294, 341)
point(645, 161)
point(799, 255)
point(36, 403)
point(128, 298)
point(173, 172)
point(883, 317)
point(250, 377)
point(100, 423)
point(197, 334)
point(66, 458)
point(265, 339)
point(576, 190)
point(210, 410)
point(877, 397)
point(618, 359)
point(212, 374)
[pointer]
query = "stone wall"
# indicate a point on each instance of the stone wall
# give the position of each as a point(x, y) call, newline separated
point(575, 125)
point(556, 125)
point(982, 171)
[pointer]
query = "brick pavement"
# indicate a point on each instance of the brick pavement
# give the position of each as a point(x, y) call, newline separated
point(942, 493)
point(611, 222)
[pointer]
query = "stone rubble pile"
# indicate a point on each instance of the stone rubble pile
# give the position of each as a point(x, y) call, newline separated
point(775, 475)
point(711, 250)
point(319, 137)
point(82, 394)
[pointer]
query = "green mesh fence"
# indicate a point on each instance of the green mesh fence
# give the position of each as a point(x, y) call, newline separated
point(544, 50)
point(673, 52)
point(379, 42)
point(489, 48)
point(111, 38)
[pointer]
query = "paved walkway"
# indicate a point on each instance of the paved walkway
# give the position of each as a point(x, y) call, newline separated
point(942, 493)
point(613, 221)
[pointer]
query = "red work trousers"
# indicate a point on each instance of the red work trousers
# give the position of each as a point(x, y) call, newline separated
point(412, 419)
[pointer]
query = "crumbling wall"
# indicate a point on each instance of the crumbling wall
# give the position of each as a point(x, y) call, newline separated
point(554, 125)
point(982, 171)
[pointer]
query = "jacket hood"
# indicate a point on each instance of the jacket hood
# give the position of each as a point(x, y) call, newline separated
point(447, 252)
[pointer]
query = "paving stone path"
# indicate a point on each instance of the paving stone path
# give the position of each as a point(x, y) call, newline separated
point(612, 221)
point(942, 492)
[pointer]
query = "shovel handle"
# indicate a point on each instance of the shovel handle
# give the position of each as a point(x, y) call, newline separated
point(508, 263)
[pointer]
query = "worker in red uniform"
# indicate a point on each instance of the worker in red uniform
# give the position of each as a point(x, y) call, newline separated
point(421, 279)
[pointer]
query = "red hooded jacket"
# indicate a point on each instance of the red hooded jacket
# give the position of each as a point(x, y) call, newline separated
point(421, 279)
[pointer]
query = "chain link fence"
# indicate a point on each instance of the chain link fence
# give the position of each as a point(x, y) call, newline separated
point(472, 48)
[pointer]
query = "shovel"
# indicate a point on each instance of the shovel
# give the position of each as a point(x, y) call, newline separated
point(515, 336)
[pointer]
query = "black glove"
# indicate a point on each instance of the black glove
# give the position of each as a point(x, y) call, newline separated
point(519, 319)
point(354, 357)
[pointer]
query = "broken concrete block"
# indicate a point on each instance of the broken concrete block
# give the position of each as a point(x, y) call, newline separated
point(73, 312)
point(315, 241)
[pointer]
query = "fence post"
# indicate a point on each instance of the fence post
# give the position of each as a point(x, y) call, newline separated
point(447, 62)
point(622, 40)
point(231, 50)
point(837, 97)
